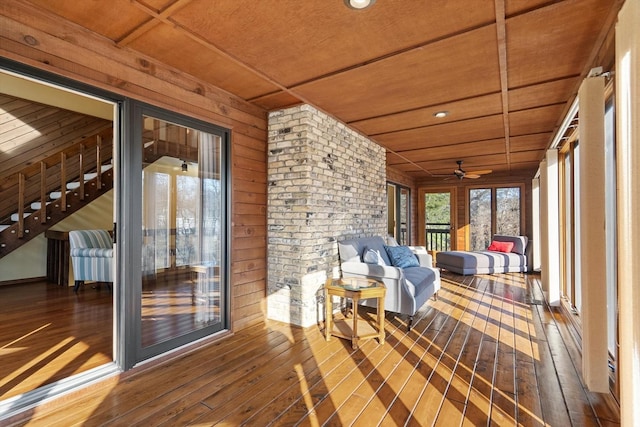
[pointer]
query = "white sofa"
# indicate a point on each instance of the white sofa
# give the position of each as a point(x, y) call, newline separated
point(407, 288)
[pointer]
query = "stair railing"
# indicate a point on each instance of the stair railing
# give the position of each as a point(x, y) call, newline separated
point(45, 169)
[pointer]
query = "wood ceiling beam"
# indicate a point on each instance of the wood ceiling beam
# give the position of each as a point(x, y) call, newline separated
point(152, 22)
point(504, 74)
point(420, 108)
point(433, 125)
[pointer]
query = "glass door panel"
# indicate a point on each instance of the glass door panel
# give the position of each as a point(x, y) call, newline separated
point(438, 220)
point(391, 211)
point(182, 213)
point(405, 214)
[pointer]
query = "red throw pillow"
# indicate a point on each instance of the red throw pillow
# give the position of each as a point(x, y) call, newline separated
point(500, 246)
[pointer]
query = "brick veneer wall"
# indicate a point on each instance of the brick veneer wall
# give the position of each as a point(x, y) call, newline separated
point(326, 183)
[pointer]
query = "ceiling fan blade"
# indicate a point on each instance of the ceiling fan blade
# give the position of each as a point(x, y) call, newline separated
point(472, 176)
point(480, 172)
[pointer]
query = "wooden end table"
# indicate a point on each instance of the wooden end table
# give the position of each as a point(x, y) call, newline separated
point(355, 289)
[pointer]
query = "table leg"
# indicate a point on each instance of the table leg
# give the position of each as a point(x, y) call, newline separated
point(354, 334)
point(327, 315)
point(381, 319)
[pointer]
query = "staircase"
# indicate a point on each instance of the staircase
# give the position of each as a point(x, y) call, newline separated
point(45, 192)
point(54, 161)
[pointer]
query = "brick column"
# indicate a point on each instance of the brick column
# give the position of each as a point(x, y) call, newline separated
point(326, 183)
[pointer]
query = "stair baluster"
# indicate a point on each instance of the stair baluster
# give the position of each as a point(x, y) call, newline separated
point(81, 165)
point(21, 184)
point(99, 161)
point(43, 192)
point(63, 181)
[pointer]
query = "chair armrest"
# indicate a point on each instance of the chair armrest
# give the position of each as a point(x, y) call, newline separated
point(92, 252)
point(371, 270)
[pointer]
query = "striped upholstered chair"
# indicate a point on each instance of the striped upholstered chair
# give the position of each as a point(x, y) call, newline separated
point(91, 256)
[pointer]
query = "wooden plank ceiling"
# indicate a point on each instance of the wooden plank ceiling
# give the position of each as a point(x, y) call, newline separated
point(505, 70)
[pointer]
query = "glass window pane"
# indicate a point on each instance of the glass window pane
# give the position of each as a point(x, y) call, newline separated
point(187, 197)
point(508, 211)
point(576, 226)
point(155, 249)
point(182, 246)
point(480, 218)
point(611, 227)
point(568, 228)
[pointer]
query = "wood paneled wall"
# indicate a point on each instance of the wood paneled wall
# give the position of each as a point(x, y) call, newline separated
point(461, 193)
point(42, 40)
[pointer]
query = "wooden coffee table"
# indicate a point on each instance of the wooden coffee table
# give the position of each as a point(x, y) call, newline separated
point(355, 289)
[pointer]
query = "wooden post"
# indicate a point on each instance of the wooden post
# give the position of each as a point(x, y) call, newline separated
point(99, 161)
point(81, 176)
point(63, 182)
point(21, 205)
point(43, 192)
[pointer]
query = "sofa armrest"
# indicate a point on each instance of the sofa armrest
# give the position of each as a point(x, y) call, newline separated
point(436, 281)
point(424, 258)
point(371, 270)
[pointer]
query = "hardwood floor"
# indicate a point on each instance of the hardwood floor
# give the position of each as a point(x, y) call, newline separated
point(48, 333)
point(488, 352)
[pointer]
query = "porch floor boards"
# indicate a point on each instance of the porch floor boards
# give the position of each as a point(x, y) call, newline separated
point(479, 355)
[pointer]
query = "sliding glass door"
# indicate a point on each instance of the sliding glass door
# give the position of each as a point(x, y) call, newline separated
point(182, 296)
point(438, 219)
point(399, 213)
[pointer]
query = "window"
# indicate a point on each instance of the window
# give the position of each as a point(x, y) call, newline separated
point(611, 225)
point(493, 210)
point(480, 218)
point(570, 214)
point(508, 211)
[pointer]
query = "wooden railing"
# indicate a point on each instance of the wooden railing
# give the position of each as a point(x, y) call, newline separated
point(438, 236)
point(34, 182)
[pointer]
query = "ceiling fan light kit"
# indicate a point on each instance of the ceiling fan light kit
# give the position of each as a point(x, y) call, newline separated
point(461, 173)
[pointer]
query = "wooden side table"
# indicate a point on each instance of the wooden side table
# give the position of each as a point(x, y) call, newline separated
point(355, 289)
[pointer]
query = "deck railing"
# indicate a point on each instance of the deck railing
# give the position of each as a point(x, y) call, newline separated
point(438, 236)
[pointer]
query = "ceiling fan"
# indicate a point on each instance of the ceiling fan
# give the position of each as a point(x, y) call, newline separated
point(461, 173)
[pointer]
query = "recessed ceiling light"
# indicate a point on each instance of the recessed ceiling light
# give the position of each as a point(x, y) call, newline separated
point(359, 4)
point(441, 114)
